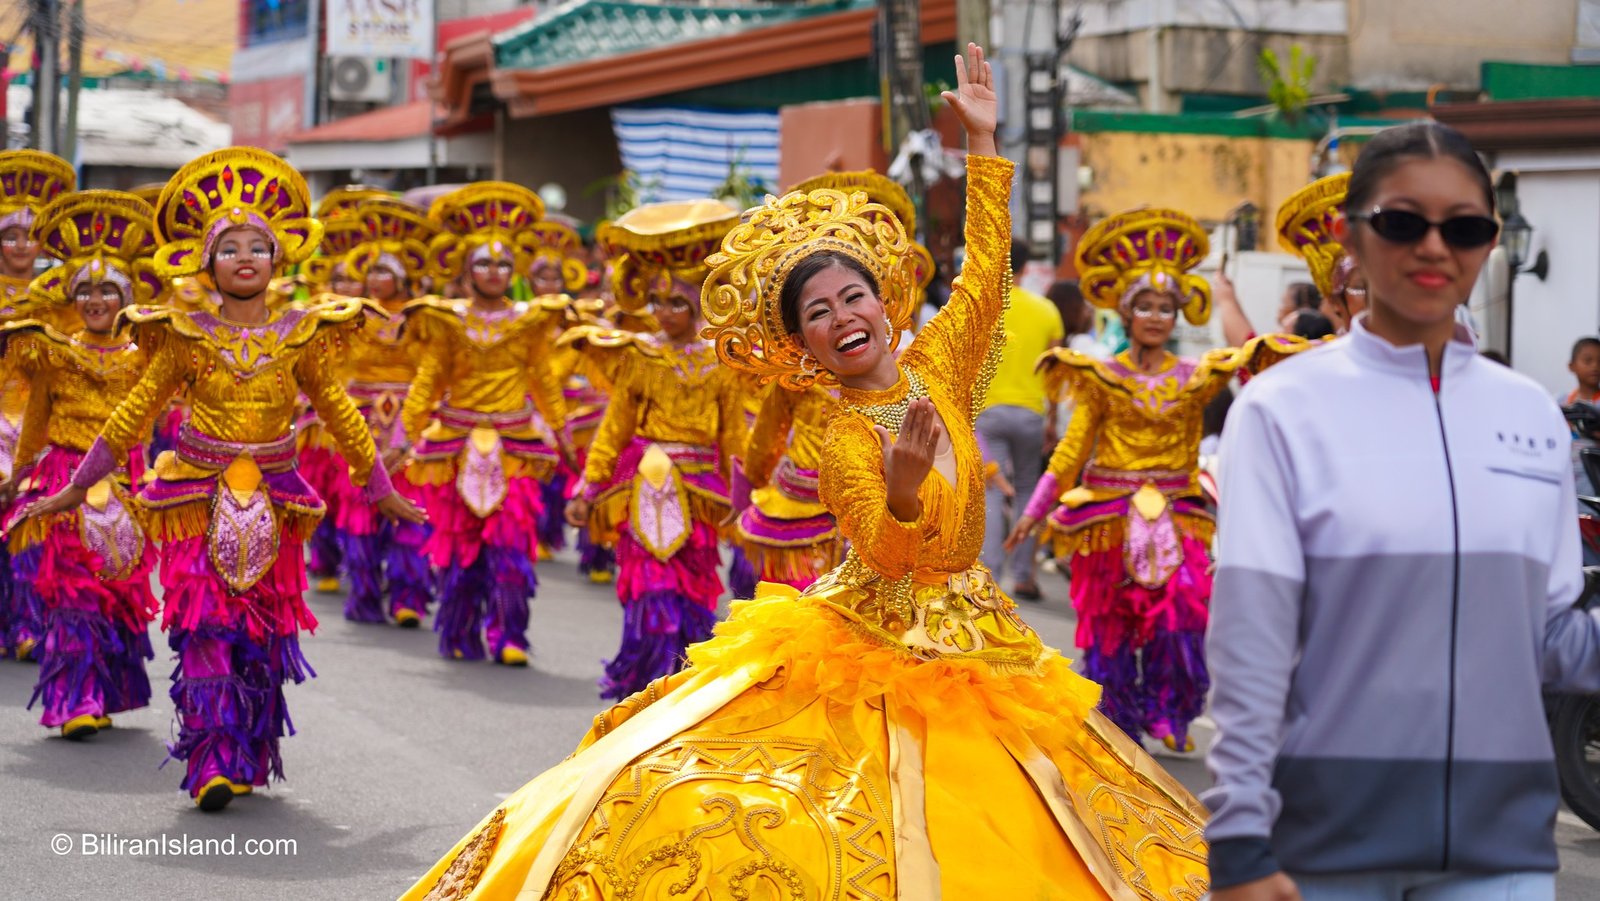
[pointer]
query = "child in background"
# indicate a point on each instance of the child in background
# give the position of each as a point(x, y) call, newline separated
point(1585, 366)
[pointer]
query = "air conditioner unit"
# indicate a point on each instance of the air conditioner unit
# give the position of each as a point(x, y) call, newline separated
point(359, 79)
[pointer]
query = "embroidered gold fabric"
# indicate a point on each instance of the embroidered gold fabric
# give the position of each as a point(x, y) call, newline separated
point(76, 383)
point(484, 362)
point(467, 867)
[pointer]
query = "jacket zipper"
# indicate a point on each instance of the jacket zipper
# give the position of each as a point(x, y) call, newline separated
point(1455, 615)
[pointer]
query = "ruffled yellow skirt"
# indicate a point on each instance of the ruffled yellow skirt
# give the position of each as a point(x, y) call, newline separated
point(800, 757)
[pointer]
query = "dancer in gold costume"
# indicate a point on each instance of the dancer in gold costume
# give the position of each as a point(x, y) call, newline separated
point(895, 732)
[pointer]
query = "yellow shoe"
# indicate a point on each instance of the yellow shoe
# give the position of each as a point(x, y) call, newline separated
point(328, 585)
point(1171, 741)
point(457, 655)
point(601, 576)
point(241, 789)
point(79, 728)
point(25, 650)
point(102, 722)
point(407, 619)
point(512, 656)
point(544, 551)
point(215, 795)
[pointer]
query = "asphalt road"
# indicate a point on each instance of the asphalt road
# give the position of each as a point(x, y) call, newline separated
point(399, 753)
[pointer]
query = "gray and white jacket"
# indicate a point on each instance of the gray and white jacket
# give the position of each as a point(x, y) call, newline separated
point(1395, 582)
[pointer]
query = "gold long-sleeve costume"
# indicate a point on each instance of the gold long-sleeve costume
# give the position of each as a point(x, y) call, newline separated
point(243, 383)
point(75, 384)
point(470, 397)
point(1137, 435)
point(679, 401)
point(787, 531)
point(894, 732)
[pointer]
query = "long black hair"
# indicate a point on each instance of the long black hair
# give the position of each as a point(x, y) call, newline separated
point(807, 269)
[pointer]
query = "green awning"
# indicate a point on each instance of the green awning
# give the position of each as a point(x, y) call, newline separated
point(596, 29)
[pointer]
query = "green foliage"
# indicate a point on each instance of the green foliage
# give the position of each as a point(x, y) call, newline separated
point(740, 187)
point(1288, 82)
point(622, 191)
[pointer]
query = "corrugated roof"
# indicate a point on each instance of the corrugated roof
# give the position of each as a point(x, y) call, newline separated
point(171, 40)
point(592, 29)
point(391, 123)
point(133, 128)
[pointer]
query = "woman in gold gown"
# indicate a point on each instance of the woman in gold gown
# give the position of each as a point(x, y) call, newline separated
point(895, 731)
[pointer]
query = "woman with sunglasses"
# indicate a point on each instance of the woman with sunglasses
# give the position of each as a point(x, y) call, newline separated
point(1121, 498)
point(1398, 563)
point(655, 484)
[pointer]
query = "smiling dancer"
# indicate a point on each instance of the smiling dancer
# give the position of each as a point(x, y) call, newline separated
point(478, 458)
point(895, 731)
point(228, 509)
point(29, 179)
point(656, 478)
point(86, 570)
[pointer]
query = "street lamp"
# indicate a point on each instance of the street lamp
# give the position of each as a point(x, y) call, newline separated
point(1516, 235)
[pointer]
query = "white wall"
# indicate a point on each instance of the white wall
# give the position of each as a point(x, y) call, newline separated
point(1563, 205)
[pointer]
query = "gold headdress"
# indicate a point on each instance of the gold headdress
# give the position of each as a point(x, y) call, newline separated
point(29, 179)
point(98, 236)
point(341, 232)
point(149, 192)
point(741, 296)
point(1144, 250)
point(393, 233)
point(558, 244)
point(659, 241)
point(1306, 225)
point(231, 188)
point(343, 200)
point(496, 217)
point(885, 190)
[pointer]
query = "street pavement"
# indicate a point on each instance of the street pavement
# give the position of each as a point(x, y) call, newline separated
point(399, 754)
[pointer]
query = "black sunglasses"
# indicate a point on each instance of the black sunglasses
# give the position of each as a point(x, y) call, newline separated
point(1406, 227)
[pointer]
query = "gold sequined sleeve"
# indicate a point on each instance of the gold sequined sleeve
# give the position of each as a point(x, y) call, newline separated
point(731, 433)
point(953, 345)
point(770, 434)
point(167, 372)
point(1077, 443)
point(851, 485)
point(320, 377)
point(434, 344)
point(35, 432)
point(544, 384)
point(616, 429)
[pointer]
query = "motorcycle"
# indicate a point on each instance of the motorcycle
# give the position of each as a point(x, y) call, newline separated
point(1574, 719)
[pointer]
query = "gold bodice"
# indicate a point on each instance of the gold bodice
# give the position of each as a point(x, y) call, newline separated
point(483, 362)
point(243, 382)
point(670, 395)
point(788, 424)
point(76, 382)
point(381, 354)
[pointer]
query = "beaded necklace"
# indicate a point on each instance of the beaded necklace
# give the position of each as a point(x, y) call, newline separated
point(893, 414)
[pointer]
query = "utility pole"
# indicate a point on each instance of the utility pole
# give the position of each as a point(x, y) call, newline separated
point(905, 102)
point(1044, 94)
point(75, 29)
point(972, 25)
point(433, 76)
point(46, 28)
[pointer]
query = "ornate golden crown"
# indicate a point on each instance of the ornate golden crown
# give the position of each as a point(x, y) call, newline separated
point(1147, 248)
point(885, 190)
point(340, 235)
point(1306, 226)
point(659, 241)
point(29, 179)
point(391, 228)
point(238, 186)
point(343, 200)
point(558, 244)
point(741, 296)
point(98, 236)
point(494, 214)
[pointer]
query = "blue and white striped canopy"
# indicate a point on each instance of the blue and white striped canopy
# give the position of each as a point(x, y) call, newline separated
point(682, 154)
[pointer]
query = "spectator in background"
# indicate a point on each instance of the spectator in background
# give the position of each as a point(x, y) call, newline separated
point(1297, 297)
point(1012, 425)
point(1585, 367)
point(1311, 325)
point(1077, 317)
